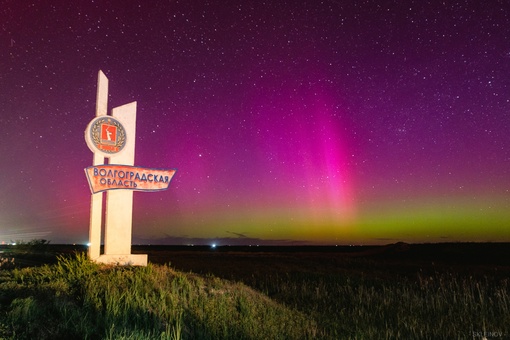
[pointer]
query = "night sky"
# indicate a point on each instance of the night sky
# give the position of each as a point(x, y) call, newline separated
point(289, 122)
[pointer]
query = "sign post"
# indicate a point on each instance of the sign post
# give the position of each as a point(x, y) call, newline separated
point(113, 137)
point(96, 204)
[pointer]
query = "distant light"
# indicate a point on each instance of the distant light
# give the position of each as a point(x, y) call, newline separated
point(88, 244)
point(213, 245)
point(13, 243)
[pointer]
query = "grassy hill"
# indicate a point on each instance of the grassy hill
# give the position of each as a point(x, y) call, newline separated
point(78, 299)
point(387, 292)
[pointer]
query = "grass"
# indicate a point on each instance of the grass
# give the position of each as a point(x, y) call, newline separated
point(435, 307)
point(75, 298)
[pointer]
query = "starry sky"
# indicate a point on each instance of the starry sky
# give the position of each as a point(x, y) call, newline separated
point(289, 122)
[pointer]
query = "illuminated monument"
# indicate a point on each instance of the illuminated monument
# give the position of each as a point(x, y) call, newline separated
point(112, 137)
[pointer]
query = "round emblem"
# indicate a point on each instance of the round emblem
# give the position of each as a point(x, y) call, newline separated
point(105, 135)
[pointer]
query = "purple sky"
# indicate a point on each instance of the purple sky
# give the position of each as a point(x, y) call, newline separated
point(329, 122)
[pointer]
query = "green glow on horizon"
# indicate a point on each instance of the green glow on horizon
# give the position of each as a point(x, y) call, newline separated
point(443, 219)
point(452, 219)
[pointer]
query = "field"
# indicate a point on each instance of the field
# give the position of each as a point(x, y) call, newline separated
point(419, 291)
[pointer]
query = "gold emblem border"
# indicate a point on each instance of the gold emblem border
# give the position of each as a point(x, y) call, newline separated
point(121, 136)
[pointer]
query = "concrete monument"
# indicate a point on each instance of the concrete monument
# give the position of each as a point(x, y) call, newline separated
point(112, 138)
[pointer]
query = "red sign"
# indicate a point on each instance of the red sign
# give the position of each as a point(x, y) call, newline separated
point(109, 177)
point(108, 134)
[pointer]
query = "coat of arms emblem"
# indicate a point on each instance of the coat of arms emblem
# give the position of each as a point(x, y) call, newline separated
point(105, 134)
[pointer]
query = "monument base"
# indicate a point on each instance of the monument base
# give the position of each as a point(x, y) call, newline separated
point(123, 260)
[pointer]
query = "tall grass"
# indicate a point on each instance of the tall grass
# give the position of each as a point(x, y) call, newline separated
point(441, 306)
point(76, 298)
